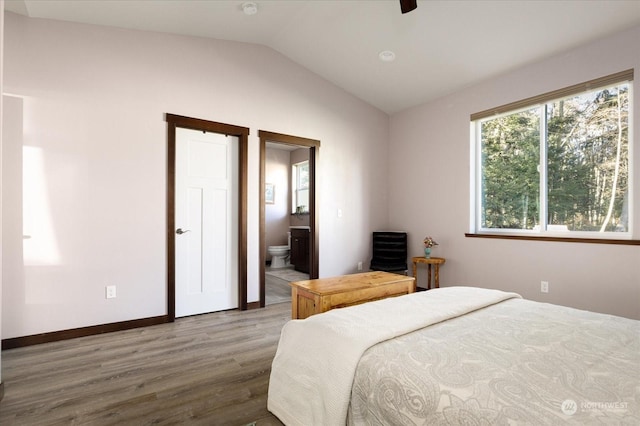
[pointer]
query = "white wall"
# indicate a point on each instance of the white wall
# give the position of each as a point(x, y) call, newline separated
point(429, 191)
point(94, 103)
point(1, 160)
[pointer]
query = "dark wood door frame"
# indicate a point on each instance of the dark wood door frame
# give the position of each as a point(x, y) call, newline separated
point(242, 133)
point(314, 147)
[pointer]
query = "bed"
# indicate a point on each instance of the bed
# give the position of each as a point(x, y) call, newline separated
point(457, 355)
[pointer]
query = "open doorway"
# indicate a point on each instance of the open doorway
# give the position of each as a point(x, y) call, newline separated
point(299, 233)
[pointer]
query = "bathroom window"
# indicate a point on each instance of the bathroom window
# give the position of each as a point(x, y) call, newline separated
point(300, 194)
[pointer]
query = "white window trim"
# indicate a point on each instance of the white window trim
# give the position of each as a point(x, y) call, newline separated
point(297, 188)
point(544, 233)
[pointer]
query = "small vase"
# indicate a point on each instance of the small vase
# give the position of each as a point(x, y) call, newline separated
point(427, 252)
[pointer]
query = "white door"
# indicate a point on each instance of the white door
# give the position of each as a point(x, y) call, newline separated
point(206, 219)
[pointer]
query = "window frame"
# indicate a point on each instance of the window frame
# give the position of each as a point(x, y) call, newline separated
point(295, 172)
point(540, 101)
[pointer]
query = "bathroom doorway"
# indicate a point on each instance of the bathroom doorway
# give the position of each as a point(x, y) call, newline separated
point(288, 217)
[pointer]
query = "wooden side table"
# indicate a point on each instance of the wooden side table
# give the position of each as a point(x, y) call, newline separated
point(436, 262)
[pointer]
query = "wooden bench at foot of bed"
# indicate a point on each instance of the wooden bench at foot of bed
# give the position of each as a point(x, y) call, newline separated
point(311, 297)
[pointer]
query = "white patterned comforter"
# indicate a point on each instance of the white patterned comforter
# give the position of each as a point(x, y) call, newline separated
point(516, 362)
point(457, 355)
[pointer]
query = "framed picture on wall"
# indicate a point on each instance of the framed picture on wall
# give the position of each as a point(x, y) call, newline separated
point(269, 193)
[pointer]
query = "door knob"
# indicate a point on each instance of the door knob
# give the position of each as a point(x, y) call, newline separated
point(179, 231)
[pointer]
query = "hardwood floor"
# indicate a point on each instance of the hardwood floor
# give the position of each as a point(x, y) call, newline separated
point(277, 290)
point(205, 370)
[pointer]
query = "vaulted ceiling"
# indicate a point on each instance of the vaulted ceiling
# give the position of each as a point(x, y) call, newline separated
point(440, 47)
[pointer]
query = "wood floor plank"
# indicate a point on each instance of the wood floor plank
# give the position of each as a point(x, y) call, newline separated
point(277, 289)
point(209, 369)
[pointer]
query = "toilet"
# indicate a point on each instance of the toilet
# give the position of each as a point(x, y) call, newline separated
point(280, 254)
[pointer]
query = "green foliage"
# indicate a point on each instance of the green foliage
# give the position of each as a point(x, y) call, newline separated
point(510, 183)
point(587, 164)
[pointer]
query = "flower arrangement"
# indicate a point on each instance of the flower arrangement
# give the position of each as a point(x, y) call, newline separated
point(429, 242)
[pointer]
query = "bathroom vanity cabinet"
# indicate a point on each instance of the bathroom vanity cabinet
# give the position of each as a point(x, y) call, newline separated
point(300, 249)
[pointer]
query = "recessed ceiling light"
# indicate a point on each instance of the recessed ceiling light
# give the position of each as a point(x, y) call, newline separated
point(387, 56)
point(249, 8)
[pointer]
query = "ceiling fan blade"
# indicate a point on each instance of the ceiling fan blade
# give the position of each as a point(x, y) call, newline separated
point(408, 5)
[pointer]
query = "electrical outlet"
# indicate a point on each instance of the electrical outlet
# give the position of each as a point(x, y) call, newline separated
point(110, 292)
point(359, 266)
point(544, 286)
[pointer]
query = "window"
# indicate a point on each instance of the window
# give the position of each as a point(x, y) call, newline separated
point(557, 164)
point(300, 198)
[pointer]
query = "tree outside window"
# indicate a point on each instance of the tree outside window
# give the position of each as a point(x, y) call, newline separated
point(561, 166)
